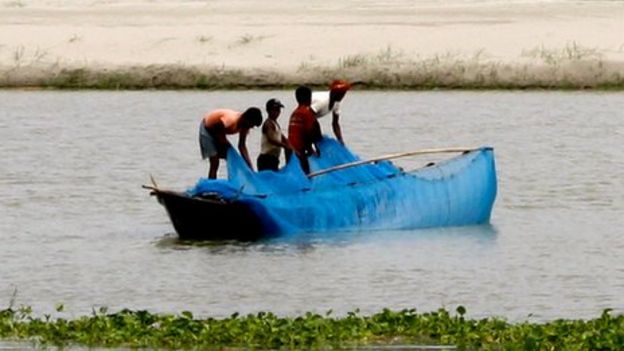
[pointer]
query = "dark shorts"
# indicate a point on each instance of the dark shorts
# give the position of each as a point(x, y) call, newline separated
point(207, 144)
point(267, 162)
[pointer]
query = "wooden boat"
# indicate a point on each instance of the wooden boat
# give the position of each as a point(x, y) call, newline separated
point(209, 217)
point(343, 194)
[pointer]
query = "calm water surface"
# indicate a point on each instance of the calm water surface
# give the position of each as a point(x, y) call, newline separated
point(77, 228)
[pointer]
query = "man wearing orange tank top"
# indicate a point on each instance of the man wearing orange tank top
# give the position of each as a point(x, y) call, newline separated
point(304, 131)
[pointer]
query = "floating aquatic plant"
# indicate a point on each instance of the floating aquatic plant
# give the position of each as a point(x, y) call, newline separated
point(265, 330)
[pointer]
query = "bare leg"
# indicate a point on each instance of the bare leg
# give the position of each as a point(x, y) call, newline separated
point(214, 166)
point(305, 165)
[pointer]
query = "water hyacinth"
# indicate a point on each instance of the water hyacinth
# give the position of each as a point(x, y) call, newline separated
point(265, 330)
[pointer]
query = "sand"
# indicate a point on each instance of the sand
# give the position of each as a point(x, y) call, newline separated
point(295, 36)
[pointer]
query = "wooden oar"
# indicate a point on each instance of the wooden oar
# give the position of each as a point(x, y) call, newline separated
point(389, 157)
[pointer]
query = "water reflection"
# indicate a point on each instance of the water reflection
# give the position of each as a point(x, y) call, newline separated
point(20, 346)
point(171, 241)
point(306, 242)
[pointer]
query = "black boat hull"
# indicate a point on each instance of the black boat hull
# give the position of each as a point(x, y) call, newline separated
point(209, 218)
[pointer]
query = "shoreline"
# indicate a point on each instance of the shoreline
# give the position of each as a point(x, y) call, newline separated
point(424, 44)
point(423, 75)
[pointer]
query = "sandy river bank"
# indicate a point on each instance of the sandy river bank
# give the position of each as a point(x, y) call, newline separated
point(242, 43)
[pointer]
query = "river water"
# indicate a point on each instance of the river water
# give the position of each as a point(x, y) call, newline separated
point(77, 229)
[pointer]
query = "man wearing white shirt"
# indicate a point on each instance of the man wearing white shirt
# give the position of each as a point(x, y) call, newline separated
point(324, 102)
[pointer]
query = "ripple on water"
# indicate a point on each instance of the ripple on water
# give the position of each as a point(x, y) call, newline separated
point(76, 228)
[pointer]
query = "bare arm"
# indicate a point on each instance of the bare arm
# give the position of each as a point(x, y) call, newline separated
point(217, 131)
point(286, 143)
point(316, 137)
point(288, 149)
point(242, 146)
point(269, 130)
point(336, 127)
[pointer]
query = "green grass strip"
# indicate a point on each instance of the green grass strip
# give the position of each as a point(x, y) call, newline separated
point(265, 330)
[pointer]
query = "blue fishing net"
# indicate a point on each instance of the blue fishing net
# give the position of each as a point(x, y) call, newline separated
point(458, 191)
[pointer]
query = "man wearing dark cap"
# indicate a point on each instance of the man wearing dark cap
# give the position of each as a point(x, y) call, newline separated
point(273, 140)
point(324, 102)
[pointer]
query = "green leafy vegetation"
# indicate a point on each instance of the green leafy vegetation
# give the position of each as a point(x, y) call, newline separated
point(264, 330)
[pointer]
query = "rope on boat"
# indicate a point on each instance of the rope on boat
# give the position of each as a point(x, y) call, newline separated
point(391, 156)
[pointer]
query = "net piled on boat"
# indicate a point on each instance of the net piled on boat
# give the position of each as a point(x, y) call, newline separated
point(371, 196)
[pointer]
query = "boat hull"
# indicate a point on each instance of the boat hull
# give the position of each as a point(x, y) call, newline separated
point(455, 192)
point(195, 218)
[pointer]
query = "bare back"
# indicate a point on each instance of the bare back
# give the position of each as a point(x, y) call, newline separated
point(228, 118)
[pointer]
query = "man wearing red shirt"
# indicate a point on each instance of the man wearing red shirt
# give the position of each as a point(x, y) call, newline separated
point(303, 128)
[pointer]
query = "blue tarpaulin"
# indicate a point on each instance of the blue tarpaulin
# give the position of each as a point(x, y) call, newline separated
point(458, 191)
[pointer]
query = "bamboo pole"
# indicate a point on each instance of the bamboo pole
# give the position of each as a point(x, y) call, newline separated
point(389, 157)
point(153, 187)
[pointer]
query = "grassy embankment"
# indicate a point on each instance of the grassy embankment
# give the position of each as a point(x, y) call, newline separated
point(569, 68)
point(141, 329)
